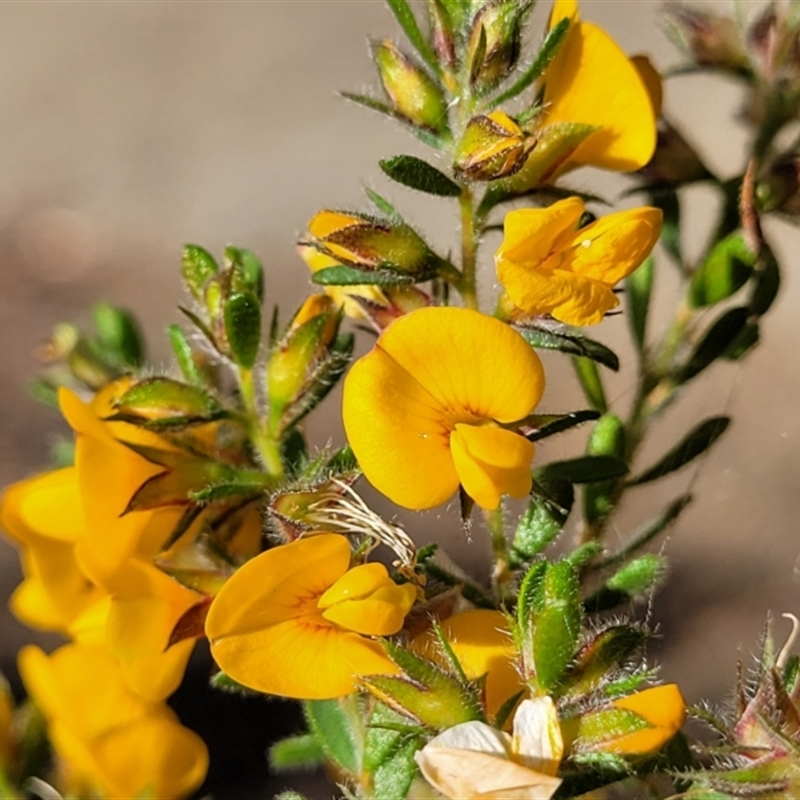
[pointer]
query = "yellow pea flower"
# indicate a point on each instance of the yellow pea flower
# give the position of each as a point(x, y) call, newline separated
point(591, 81)
point(548, 265)
point(474, 761)
point(295, 621)
point(482, 643)
point(44, 517)
point(424, 410)
point(109, 741)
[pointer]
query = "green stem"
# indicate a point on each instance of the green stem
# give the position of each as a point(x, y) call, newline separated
point(469, 249)
point(497, 530)
point(268, 449)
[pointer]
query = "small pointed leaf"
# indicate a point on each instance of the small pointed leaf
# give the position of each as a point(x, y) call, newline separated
point(591, 382)
point(405, 16)
point(197, 266)
point(570, 343)
point(332, 723)
point(418, 174)
point(243, 327)
point(296, 752)
point(545, 425)
point(720, 336)
point(638, 287)
point(184, 354)
point(545, 516)
point(726, 269)
point(696, 442)
point(351, 276)
point(586, 469)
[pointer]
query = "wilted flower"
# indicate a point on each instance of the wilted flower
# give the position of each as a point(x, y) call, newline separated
point(296, 621)
point(109, 741)
point(549, 265)
point(474, 760)
point(430, 406)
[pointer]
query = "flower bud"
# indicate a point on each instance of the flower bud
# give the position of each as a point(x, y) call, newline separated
point(494, 44)
point(295, 359)
point(711, 40)
point(413, 93)
point(369, 244)
point(492, 147)
point(442, 27)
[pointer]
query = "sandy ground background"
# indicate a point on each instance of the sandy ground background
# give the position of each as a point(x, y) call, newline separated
point(130, 128)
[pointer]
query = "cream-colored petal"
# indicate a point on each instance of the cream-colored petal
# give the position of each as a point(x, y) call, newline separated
point(537, 739)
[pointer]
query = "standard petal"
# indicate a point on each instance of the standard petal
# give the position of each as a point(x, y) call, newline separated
point(475, 366)
point(278, 585)
point(491, 462)
point(306, 658)
point(398, 432)
point(591, 81)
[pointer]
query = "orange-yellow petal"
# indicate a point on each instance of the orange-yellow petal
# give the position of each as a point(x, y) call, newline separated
point(356, 584)
point(431, 369)
point(664, 710)
point(483, 645)
point(491, 462)
point(530, 235)
point(380, 614)
point(279, 585)
point(591, 81)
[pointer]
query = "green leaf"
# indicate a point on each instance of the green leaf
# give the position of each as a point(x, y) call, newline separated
point(638, 287)
point(405, 16)
point(766, 283)
point(384, 206)
point(713, 345)
point(570, 343)
point(633, 579)
point(586, 469)
point(242, 314)
point(529, 597)
point(557, 624)
point(184, 354)
point(696, 442)
point(351, 276)
point(541, 62)
point(335, 725)
point(726, 269)
point(389, 752)
point(545, 425)
point(545, 515)
point(747, 338)
point(247, 272)
point(604, 653)
point(197, 266)
point(667, 201)
point(591, 382)
point(607, 438)
point(418, 174)
point(296, 752)
point(119, 335)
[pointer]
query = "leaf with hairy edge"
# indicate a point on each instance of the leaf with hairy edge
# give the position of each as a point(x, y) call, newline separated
point(570, 343)
point(405, 16)
point(696, 442)
point(420, 175)
point(350, 276)
point(184, 354)
point(197, 266)
point(547, 52)
point(544, 425)
point(389, 752)
point(333, 724)
point(384, 206)
point(545, 516)
point(242, 314)
point(296, 752)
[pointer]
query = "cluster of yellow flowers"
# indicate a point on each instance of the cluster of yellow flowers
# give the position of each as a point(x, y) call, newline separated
point(439, 404)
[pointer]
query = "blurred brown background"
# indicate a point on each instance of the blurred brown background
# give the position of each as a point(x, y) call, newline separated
point(130, 128)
